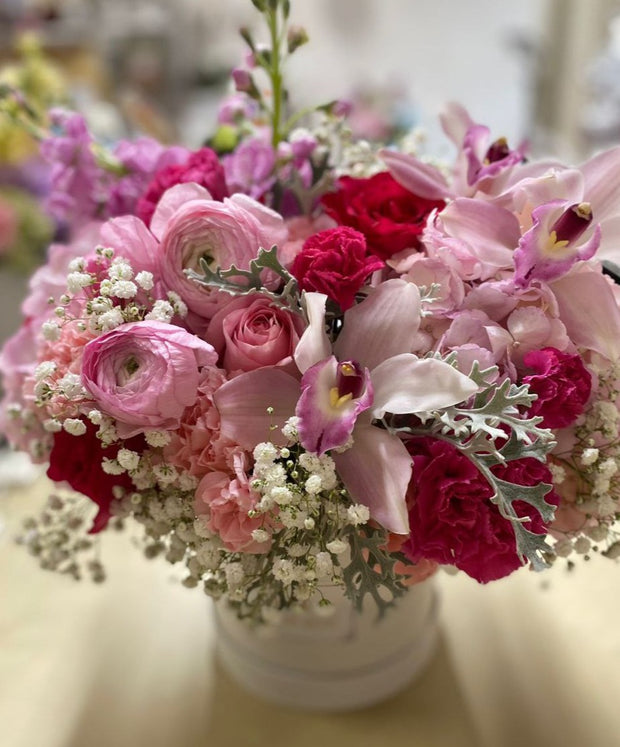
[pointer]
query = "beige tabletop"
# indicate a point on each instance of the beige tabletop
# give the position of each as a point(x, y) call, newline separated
point(531, 661)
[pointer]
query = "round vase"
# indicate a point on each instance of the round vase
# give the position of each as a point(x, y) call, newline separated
point(345, 661)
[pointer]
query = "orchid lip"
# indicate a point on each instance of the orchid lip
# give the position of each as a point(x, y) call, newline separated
point(572, 223)
point(497, 151)
point(350, 380)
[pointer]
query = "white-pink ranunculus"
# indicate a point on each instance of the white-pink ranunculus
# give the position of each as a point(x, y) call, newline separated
point(145, 374)
point(222, 233)
point(251, 332)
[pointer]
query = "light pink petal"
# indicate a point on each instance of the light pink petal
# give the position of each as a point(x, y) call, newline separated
point(491, 232)
point(383, 325)
point(323, 426)
point(602, 185)
point(455, 121)
point(589, 311)
point(314, 344)
point(407, 384)
point(420, 178)
point(131, 239)
point(376, 471)
point(273, 230)
point(173, 199)
point(610, 240)
point(243, 402)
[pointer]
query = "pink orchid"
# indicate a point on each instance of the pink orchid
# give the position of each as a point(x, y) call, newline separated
point(376, 374)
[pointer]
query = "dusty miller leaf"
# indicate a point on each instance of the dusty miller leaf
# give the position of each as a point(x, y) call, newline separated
point(371, 570)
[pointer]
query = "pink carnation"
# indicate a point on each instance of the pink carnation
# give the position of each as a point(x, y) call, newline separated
point(202, 167)
point(198, 446)
point(224, 503)
point(451, 515)
point(562, 384)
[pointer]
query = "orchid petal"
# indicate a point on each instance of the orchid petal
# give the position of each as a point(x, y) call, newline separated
point(490, 231)
point(421, 179)
point(610, 240)
point(314, 344)
point(589, 311)
point(602, 186)
point(383, 325)
point(407, 384)
point(173, 199)
point(376, 471)
point(455, 121)
point(243, 401)
point(325, 425)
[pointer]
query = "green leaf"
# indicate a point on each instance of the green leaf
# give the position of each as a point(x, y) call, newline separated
point(371, 570)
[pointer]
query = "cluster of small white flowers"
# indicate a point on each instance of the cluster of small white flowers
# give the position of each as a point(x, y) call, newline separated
point(347, 156)
point(307, 520)
point(595, 468)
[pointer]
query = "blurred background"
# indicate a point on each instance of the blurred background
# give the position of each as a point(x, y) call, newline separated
point(543, 70)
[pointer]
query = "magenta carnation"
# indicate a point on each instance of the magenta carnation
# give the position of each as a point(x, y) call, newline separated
point(562, 384)
point(335, 262)
point(203, 167)
point(452, 518)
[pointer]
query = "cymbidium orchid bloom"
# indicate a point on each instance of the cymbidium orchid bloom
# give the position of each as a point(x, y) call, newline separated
point(555, 242)
point(345, 390)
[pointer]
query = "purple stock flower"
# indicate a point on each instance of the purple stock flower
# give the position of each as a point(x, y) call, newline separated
point(250, 169)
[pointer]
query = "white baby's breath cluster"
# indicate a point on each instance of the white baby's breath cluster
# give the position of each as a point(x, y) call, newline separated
point(122, 296)
point(593, 468)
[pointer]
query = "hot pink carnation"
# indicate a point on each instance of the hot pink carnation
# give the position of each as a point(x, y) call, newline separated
point(202, 167)
point(335, 262)
point(225, 502)
point(562, 384)
point(452, 518)
point(145, 374)
point(250, 332)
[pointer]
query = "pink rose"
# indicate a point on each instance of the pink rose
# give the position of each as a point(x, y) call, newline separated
point(224, 503)
point(250, 332)
point(222, 233)
point(562, 384)
point(145, 374)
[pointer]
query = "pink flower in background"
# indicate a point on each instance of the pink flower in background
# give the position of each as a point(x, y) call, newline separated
point(251, 332)
point(251, 168)
point(335, 262)
point(202, 167)
point(562, 384)
point(223, 501)
point(145, 374)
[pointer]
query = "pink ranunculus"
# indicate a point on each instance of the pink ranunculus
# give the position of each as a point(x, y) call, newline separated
point(144, 374)
point(562, 384)
point(251, 332)
point(222, 233)
point(429, 271)
point(224, 502)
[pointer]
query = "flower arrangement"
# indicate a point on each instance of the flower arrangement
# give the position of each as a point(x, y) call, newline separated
point(298, 360)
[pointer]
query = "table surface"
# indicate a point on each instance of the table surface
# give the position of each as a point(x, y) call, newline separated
point(531, 660)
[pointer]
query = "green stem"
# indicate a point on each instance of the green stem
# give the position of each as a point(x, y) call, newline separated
point(275, 73)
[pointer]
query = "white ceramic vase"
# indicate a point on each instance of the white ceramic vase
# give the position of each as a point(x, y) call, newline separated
point(342, 662)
